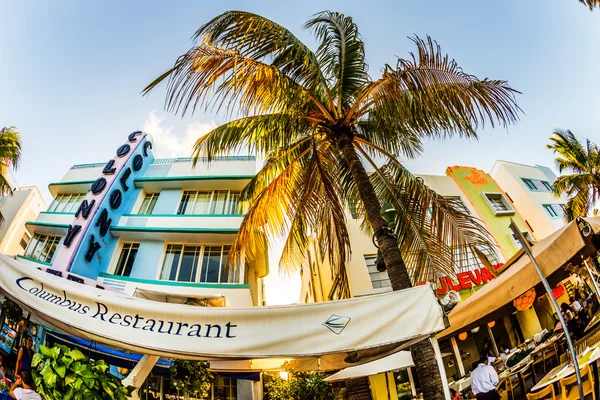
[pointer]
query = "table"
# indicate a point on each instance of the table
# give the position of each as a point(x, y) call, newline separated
point(589, 356)
point(461, 384)
point(594, 321)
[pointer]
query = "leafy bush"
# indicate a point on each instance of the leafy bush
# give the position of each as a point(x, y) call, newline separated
point(192, 377)
point(514, 360)
point(61, 373)
point(300, 386)
point(12, 311)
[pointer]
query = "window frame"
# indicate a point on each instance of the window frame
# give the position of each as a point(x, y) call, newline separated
point(228, 206)
point(539, 185)
point(557, 208)
point(509, 209)
point(49, 242)
point(69, 206)
point(129, 251)
point(379, 277)
point(152, 202)
point(199, 252)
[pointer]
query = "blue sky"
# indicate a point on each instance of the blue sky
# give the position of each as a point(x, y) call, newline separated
point(71, 72)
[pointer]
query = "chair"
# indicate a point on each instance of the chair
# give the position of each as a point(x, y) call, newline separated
point(568, 385)
point(551, 354)
point(546, 393)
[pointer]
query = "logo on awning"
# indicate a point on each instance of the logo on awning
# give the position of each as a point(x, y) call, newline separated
point(336, 323)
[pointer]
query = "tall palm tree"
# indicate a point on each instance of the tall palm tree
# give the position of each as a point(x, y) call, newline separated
point(317, 116)
point(582, 162)
point(10, 155)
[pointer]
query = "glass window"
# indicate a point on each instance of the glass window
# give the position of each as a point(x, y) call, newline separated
point(126, 259)
point(498, 203)
point(42, 247)
point(378, 279)
point(187, 263)
point(225, 388)
point(529, 183)
point(546, 185)
point(148, 203)
point(457, 204)
point(550, 210)
point(217, 202)
point(68, 202)
point(536, 184)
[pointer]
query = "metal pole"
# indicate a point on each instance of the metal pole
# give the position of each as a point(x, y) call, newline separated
point(593, 279)
point(527, 249)
point(493, 341)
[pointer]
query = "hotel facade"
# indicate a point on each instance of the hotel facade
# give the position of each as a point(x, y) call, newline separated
point(167, 241)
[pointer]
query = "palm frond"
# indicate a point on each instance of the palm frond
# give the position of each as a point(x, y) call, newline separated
point(434, 236)
point(591, 4)
point(260, 134)
point(341, 54)
point(431, 93)
point(10, 156)
point(208, 75)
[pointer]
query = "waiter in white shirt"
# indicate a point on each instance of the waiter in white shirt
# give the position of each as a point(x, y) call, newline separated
point(484, 380)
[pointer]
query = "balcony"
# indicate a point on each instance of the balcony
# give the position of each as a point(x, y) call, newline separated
point(208, 294)
point(199, 228)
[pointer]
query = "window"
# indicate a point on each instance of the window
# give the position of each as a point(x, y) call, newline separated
point(67, 203)
point(378, 279)
point(498, 204)
point(126, 259)
point(457, 204)
point(537, 185)
point(148, 203)
point(527, 236)
point(25, 240)
point(217, 202)
point(467, 260)
point(225, 388)
point(554, 210)
point(42, 247)
point(187, 263)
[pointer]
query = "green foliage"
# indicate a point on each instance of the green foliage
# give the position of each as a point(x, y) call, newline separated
point(300, 386)
point(61, 373)
point(591, 4)
point(12, 311)
point(514, 360)
point(192, 377)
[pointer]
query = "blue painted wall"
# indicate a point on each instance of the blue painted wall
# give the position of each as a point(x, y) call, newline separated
point(102, 257)
point(147, 260)
point(168, 201)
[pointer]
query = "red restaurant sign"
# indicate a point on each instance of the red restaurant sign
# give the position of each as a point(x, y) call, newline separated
point(464, 280)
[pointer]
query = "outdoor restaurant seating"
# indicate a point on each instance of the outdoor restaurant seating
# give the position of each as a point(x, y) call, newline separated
point(568, 385)
point(545, 394)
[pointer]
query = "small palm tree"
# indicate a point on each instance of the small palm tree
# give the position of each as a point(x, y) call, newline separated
point(582, 162)
point(317, 116)
point(10, 155)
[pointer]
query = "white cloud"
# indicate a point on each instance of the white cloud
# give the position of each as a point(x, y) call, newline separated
point(169, 144)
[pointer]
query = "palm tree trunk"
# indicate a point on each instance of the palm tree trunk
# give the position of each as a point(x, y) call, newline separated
point(423, 353)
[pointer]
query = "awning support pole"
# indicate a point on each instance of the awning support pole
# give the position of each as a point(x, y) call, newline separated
point(589, 270)
point(493, 341)
point(139, 373)
point(440, 362)
point(517, 233)
point(459, 363)
point(413, 389)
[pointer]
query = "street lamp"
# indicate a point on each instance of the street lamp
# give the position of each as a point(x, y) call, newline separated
point(388, 213)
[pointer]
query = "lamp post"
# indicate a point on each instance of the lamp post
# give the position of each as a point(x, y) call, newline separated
point(527, 249)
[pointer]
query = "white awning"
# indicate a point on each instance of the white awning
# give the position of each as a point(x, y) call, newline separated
point(329, 335)
point(400, 360)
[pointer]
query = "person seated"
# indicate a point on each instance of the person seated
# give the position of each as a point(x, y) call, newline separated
point(503, 350)
point(454, 395)
point(24, 388)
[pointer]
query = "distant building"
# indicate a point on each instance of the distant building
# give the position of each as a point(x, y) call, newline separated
point(23, 205)
point(529, 188)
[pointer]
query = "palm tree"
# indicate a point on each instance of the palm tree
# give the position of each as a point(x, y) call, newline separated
point(10, 155)
point(582, 161)
point(317, 116)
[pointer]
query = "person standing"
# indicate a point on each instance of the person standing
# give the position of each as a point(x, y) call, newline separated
point(484, 380)
point(24, 388)
point(24, 356)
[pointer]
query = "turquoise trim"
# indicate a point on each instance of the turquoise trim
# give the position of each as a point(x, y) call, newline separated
point(71, 183)
point(57, 213)
point(183, 215)
point(174, 230)
point(76, 166)
point(553, 204)
point(192, 178)
point(48, 224)
point(34, 260)
point(177, 283)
